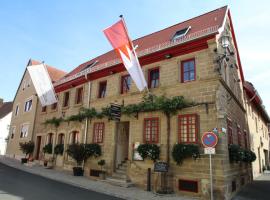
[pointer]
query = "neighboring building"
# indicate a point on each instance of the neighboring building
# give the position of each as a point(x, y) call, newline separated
point(180, 60)
point(5, 117)
point(24, 111)
point(258, 121)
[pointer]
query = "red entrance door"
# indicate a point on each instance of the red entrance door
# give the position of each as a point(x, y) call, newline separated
point(38, 147)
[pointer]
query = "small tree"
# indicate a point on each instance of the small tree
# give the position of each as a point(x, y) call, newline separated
point(27, 148)
point(59, 149)
point(101, 163)
point(47, 148)
point(78, 153)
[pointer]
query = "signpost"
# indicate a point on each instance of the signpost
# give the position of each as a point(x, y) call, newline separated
point(116, 111)
point(161, 167)
point(209, 141)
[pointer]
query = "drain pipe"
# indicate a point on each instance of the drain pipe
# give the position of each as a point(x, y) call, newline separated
point(88, 106)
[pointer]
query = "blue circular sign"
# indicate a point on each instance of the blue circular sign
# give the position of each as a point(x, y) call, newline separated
point(209, 139)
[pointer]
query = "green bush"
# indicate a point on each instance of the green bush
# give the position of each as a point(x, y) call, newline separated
point(59, 149)
point(101, 163)
point(93, 150)
point(47, 148)
point(238, 154)
point(151, 151)
point(182, 151)
point(27, 147)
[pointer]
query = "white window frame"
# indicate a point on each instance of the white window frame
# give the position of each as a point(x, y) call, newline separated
point(25, 134)
point(26, 105)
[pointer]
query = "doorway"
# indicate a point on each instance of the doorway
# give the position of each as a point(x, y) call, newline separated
point(38, 147)
point(122, 143)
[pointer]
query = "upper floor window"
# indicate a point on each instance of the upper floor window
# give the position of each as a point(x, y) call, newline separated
point(125, 84)
point(188, 71)
point(50, 138)
point(153, 78)
point(102, 89)
point(181, 33)
point(151, 130)
point(98, 132)
point(17, 110)
point(239, 136)
point(74, 137)
point(24, 130)
point(66, 99)
point(187, 128)
point(61, 138)
point(44, 109)
point(12, 132)
point(79, 95)
point(54, 106)
point(28, 105)
point(230, 132)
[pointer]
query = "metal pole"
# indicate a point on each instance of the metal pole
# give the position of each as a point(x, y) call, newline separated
point(148, 179)
point(211, 177)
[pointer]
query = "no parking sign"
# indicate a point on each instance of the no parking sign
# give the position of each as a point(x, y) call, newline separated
point(209, 139)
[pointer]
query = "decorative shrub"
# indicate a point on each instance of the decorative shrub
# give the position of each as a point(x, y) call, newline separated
point(27, 147)
point(59, 149)
point(93, 150)
point(237, 154)
point(78, 152)
point(101, 163)
point(151, 151)
point(47, 148)
point(54, 121)
point(182, 151)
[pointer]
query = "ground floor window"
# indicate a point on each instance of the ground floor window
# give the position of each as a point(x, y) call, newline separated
point(151, 130)
point(187, 128)
point(74, 137)
point(98, 132)
point(188, 185)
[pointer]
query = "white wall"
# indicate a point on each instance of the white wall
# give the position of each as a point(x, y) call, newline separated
point(4, 131)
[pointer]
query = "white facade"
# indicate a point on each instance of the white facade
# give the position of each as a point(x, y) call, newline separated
point(4, 132)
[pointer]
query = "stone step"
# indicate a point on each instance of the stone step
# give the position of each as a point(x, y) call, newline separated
point(118, 182)
point(119, 176)
point(122, 167)
point(121, 171)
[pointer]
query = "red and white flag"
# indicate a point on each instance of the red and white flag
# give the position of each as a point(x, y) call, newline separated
point(117, 35)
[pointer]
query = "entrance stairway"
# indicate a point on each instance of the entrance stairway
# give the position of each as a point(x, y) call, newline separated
point(119, 177)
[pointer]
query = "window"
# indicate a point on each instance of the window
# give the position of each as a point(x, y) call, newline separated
point(12, 132)
point(188, 185)
point(54, 106)
point(151, 130)
point(44, 108)
point(74, 137)
point(181, 33)
point(61, 138)
point(79, 95)
point(66, 99)
point(125, 84)
point(102, 89)
point(187, 128)
point(153, 78)
point(239, 136)
point(17, 110)
point(98, 132)
point(229, 130)
point(50, 138)
point(188, 70)
point(24, 130)
point(28, 105)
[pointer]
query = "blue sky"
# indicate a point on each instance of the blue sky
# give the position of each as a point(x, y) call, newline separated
point(65, 34)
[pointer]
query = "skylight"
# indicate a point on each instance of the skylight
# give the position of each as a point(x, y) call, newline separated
point(181, 33)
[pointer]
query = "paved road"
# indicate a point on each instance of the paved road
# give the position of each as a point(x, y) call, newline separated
point(19, 185)
point(257, 190)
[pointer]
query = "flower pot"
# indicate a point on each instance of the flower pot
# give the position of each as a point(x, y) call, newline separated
point(45, 163)
point(77, 171)
point(24, 160)
point(102, 175)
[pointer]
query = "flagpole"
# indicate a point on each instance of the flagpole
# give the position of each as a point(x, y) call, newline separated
point(133, 49)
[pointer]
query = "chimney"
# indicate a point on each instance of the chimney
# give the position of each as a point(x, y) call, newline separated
point(1, 102)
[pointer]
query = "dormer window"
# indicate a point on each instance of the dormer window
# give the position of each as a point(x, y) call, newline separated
point(181, 33)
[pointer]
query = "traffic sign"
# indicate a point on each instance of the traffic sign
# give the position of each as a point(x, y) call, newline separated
point(209, 150)
point(209, 139)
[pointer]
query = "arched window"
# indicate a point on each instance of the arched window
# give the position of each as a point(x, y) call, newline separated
point(50, 138)
point(61, 138)
point(74, 137)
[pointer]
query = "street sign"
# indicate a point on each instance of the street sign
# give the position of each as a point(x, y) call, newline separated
point(161, 167)
point(209, 139)
point(115, 111)
point(209, 150)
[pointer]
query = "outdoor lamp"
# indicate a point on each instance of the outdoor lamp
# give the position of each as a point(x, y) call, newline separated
point(225, 41)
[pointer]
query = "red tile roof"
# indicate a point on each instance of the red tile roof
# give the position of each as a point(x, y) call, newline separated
point(202, 22)
point(54, 73)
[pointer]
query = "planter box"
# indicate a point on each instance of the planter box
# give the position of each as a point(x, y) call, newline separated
point(24, 160)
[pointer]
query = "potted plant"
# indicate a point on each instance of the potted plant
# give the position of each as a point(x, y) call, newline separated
point(101, 163)
point(47, 149)
point(27, 148)
point(79, 154)
point(59, 149)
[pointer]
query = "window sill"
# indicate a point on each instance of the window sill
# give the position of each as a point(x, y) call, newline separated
point(65, 108)
point(78, 105)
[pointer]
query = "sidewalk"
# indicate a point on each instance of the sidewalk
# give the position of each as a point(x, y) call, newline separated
point(83, 182)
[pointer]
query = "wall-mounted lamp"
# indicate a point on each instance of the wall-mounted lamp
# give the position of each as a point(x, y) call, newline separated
point(168, 56)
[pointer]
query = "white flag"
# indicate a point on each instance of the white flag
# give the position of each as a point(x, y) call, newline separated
point(119, 39)
point(43, 84)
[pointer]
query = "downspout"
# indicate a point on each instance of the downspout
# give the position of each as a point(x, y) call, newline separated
point(88, 106)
